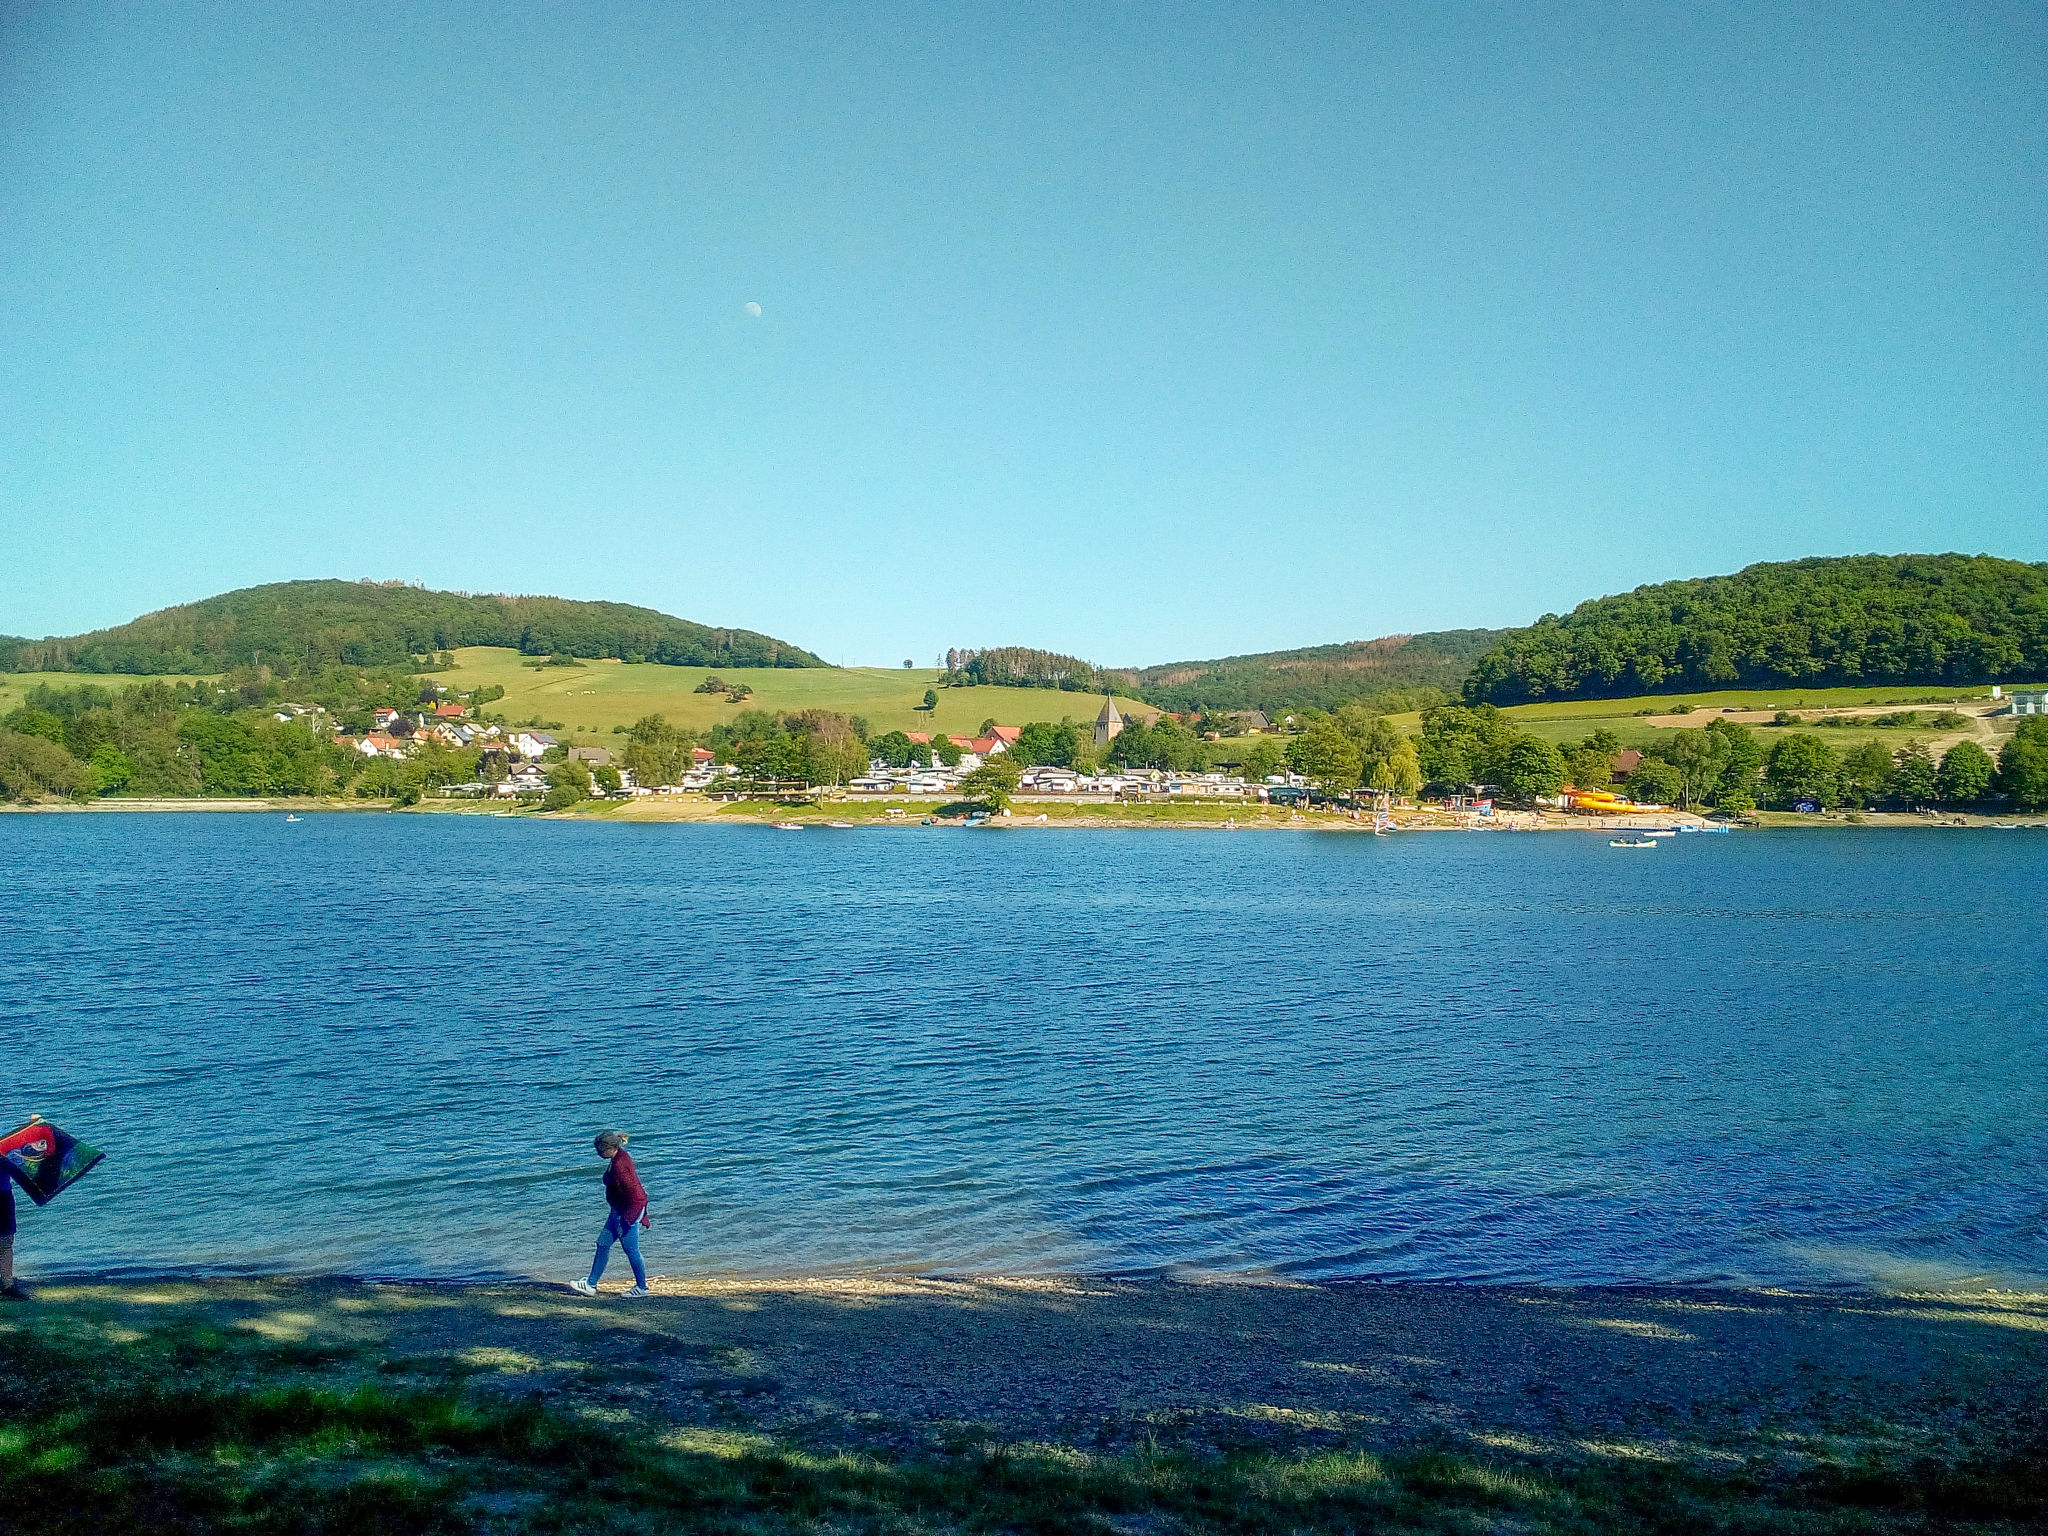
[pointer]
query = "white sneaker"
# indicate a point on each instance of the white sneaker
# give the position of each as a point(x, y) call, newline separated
point(582, 1287)
point(638, 1290)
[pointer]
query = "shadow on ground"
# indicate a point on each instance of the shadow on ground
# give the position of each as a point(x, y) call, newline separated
point(1069, 1404)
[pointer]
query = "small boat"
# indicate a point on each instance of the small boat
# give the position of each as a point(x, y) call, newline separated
point(789, 826)
point(290, 817)
point(1663, 832)
point(843, 825)
point(1636, 842)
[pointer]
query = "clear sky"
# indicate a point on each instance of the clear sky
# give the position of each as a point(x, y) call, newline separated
point(1144, 332)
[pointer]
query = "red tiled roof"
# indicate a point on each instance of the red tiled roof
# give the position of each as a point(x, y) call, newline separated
point(448, 711)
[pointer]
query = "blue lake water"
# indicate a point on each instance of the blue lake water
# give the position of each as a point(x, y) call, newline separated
point(380, 1045)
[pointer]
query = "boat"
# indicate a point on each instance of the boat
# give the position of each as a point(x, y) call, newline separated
point(789, 826)
point(290, 817)
point(843, 825)
point(1634, 842)
point(1662, 832)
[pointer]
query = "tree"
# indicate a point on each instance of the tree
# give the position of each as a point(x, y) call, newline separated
point(1532, 767)
point(1965, 774)
point(2023, 764)
point(908, 663)
point(931, 700)
point(1465, 746)
point(1866, 773)
point(945, 751)
point(1262, 759)
point(607, 778)
point(1588, 768)
point(111, 770)
point(31, 767)
point(1913, 775)
point(568, 782)
point(993, 782)
point(1324, 755)
point(1655, 782)
point(1044, 745)
point(1802, 767)
point(893, 748)
point(1398, 773)
point(656, 752)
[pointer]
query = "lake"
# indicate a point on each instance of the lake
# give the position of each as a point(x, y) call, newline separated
point(380, 1045)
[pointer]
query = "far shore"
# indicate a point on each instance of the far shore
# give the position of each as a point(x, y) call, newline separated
point(1039, 813)
point(906, 1402)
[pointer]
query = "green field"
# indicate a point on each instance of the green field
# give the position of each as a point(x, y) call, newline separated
point(1569, 721)
point(15, 686)
point(601, 694)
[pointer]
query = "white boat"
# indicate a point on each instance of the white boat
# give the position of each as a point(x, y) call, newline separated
point(1663, 832)
point(290, 817)
point(844, 825)
point(1617, 842)
point(789, 826)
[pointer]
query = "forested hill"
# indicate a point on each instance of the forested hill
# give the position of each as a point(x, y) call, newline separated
point(1319, 676)
point(1860, 619)
point(295, 626)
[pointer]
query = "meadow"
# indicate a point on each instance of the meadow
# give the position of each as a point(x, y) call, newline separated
point(1641, 720)
point(15, 687)
point(599, 695)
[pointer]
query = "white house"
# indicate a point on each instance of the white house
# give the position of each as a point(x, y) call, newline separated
point(530, 743)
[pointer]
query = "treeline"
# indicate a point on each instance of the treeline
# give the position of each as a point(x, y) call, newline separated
point(204, 738)
point(1395, 673)
point(1865, 619)
point(1729, 768)
point(306, 626)
point(1018, 666)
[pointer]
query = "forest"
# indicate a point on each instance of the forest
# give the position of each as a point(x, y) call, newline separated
point(1396, 672)
point(1856, 620)
point(305, 626)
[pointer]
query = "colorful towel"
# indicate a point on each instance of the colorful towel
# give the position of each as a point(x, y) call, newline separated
point(44, 1160)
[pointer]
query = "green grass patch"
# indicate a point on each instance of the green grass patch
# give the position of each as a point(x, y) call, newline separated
point(184, 1429)
point(598, 695)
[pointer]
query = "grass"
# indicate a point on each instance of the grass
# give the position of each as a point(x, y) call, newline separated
point(185, 1427)
point(601, 694)
point(15, 686)
point(1569, 721)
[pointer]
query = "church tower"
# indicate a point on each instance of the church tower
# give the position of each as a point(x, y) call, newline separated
point(1109, 724)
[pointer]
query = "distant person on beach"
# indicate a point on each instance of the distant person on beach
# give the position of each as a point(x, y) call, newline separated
point(627, 1197)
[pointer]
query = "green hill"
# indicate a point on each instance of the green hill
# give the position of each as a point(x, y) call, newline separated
point(1856, 620)
point(295, 626)
point(1318, 676)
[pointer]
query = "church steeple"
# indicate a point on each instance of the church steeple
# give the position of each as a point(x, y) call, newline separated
point(1109, 724)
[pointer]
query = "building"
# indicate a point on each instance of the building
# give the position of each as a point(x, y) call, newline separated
point(448, 711)
point(597, 757)
point(531, 743)
point(1109, 724)
point(2029, 701)
point(377, 744)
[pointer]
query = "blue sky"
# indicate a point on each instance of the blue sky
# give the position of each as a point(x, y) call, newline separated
point(1146, 332)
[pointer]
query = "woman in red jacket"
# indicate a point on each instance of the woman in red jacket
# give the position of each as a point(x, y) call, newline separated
point(626, 1196)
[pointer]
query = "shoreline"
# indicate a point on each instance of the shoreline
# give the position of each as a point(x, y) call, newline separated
point(1037, 814)
point(1312, 1404)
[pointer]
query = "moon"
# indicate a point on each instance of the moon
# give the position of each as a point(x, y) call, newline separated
point(753, 309)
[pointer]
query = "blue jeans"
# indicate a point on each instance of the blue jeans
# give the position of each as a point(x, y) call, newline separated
point(618, 1230)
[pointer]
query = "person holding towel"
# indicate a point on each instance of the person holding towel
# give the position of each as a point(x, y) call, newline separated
point(627, 1197)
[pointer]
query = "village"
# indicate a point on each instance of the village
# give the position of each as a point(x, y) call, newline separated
point(514, 761)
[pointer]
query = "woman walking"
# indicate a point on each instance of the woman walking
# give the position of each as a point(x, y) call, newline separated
point(627, 1197)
